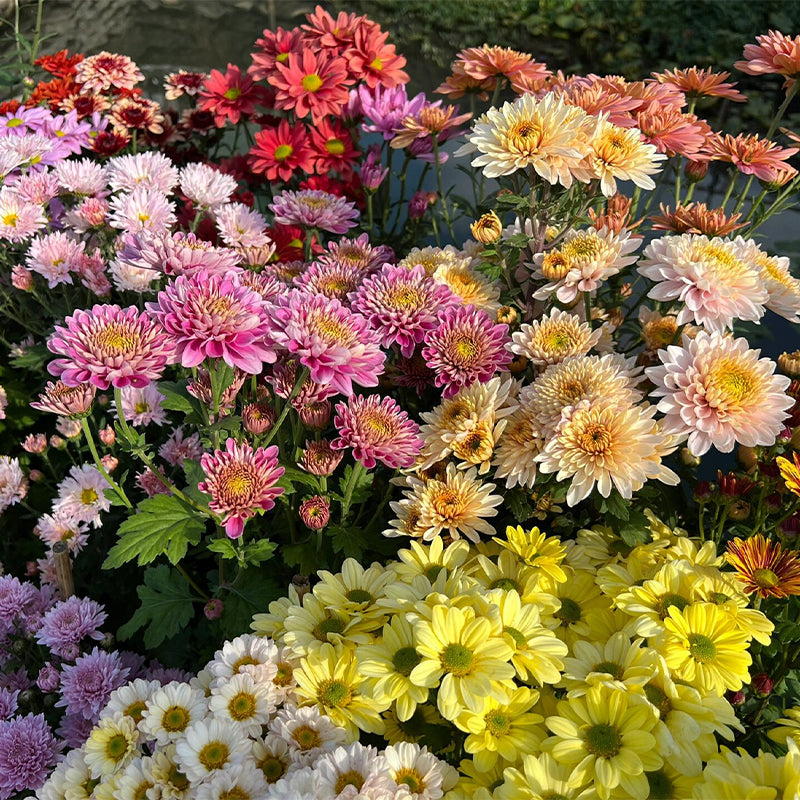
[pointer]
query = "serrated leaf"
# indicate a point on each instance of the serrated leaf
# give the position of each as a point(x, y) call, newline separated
point(350, 541)
point(167, 606)
point(176, 398)
point(256, 552)
point(34, 358)
point(635, 530)
point(303, 557)
point(617, 506)
point(296, 475)
point(194, 475)
point(252, 594)
point(519, 505)
point(113, 496)
point(164, 525)
point(225, 547)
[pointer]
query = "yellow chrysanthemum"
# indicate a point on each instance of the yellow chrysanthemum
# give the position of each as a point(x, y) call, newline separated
point(540, 777)
point(763, 567)
point(606, 737)
point(666, 783)
point(463, 656)
point(790, 472)
point(431, 258)
point(787, 727)
point(554, 338)
point(703, 647)
point(581, 602)
point(331, 681)
point(466, 283)
point(355, 590)
point(508, 573)
point(111, 745)
point(740, 776)
point(431, 560)
point(502, 730)
point(536, 549)
point(310, 625)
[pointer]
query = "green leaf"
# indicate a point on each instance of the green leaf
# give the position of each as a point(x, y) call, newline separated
point(194, 475)
point(256, 552)
point(252, 594)
point(225, 547)
point(167, 607)
point(164, 525)
point(176, 398)
point(130, 440)
point(636, 530)
point(350, 541)
point(296, 475)
point(34, 358)
point(362, 489)
point(519, 505)
point(617, 506)
point(303, 557)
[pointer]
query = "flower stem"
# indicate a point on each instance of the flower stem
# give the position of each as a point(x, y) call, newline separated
point(87, 432)
point(355, 474)
point(301, 379)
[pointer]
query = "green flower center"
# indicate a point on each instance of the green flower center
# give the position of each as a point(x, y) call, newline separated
point(140, 792)
point(667, 600)
point(335, 147)
point(306, 737)
point(405, 659)
point(236, 793)
point(614, 670)
point(326, 626)
point(411, 778)
point(497, 724)
point(175, 719)
point(516, 635)
point(177, 779)
point(569, 612)
point(457, 660)
point(603, 740)
point(359, 596)
point(242, 706)
point(135, 709)
point(284, 675)
point(272, 767)
point(214, 755)
point(660, 786)
point(117, 747)
point(658, 699)
point(432, 572)
point(282, 152)
point(350, 778)
point(334, 694)
point(719, 598)
point(506, 584)
point(312, 83)
point(234, 93)
point(88, 496)
point(765, 578)
point(702, 648)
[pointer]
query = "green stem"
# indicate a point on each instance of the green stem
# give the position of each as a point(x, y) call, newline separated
point(743, 195)
point(192, 583)
point(791, 92)
point(355, 473)
point(756, 203)
point(301, 379)
point(87, 432)
point(440, 187)
point(37, 32)
point(734, 177)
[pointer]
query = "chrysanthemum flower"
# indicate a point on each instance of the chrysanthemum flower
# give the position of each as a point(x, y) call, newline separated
point(240, 226)
point(469, 285)
point(466, 347)
point(241, 481)
point(180, 83)
point(431, 123)
point(111, 745)
point(539, 775)
point(311, 83)
point(205, 186)
point(377, 430)
point(358, 253)
point(68, 622)
point(208, 747)
point(334, 148)
point(672, 131)
point(82, 495)
point(703, 647)
point(141, 210)
point(274, 46)
point(150, 170)
point(142, 406)
point(87, 684)
point(229, 96)
point(243, 701)
point(715, 279)
point(522, 440)
point(19, 220)
point(458, 84)
point(696, 218)
point(68, 401)
point(764, 567)
point(553, 338)
point(535, 549)
point(337, 346)
point(106, 71)
point(108, 345)
point(782, 287)
point(319, 458)
point(330, 279)
point(694, 82)
point(775, 54)
point(136, 113)
point(209, 315)
point(281, 151)
point(750, 154)
point(314, 209)
point(28, 753)
point(307, 733)
point(718, 391)
point(179, 447)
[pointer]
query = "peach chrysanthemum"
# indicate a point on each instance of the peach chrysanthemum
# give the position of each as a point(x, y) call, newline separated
point(107, 72)
point(470, 286)
point(775, 54)
point(491, 61)
point(719, 392)
point(782, 287)
point(595, 97)
point(694, 82)
point(709, 276)
point(522, 440)
point(548, 135)
point(582, 261)
point(620, 154)
point(671, 131)
point(459, 83)
point(696, 218)
point(658, 330)
point(764, 567)
point(604, 446)
point(751, 155)
point(553, 338)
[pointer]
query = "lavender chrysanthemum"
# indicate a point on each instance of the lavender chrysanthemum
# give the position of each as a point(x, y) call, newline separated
point(209, 315)
point(466, 347)
point(8, 703)
point(87, 684)
point(313, 208)
point(15, 600)
point(28, 751)
point(109, 346)
point(66, 624)
point(358, 253)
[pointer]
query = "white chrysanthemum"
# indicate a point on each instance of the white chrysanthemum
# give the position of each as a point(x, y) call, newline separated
point(547, 134)
point(468, 424)
point(202, 681)
point(141, 406)
point(783, 289)
point(150, 170)
point(272, 757)
point(459, 504)
point(351, 772)
point(553, 338)
point(82, 495)
point(417, 772)
point(111, 745)
point(522, 440)
point(716, 390)
point(77, 776)
point(247, 653)
point(128, 278)
point(13, 483)
point(135, 780)
point(244, 702)
point(242, 782)
point(308, 733)
point(432, 259)
point(299, 785)
point(716, 280)
point(582, 261)
point(169, 783)
point(205, 186)
point(473, 288)
point(55, 787)
point(210, 746)
point(283, 681)
point(604, 447)
point(170, 711)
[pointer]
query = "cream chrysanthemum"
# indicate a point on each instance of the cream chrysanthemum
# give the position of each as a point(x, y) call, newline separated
point(539, 777)
point(111, 745)
point(420, 773)
point(716, 390)
point(553, 338)
point(307, 732)
point(740, 774)
point(431, 560)
point(473, 288)
point(783, 289)
point(715, 280)
point(244, 702)
point(605, 447)
point(170, 711)
point(582, 261)
point(536, 549)
point(522, 440)
point(354, 590)
point(620, 154)
point(433, 259)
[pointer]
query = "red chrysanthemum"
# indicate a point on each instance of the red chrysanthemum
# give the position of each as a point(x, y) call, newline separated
point(373, 61)
point(229, 96)
point(275, 48)
point(334, 147)
point(323, 31)
point(279, 152)
point(60, 64)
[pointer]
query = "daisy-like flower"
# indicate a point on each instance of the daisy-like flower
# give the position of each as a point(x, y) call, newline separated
point(764, 567)
point(337, 346)
point(242, 781)
point(553, 338)
point(82, 495)
point(281, 151)
point(751, 155)
point(463, 656)
point(142, 209)
point(703, 647)
point(719, 392)
point(535, 549)
point(351, 766)
point(377, 430)
point(150, 170)
point(142, 406)
point(13, 483)
point(209, 746)
point(240, 226)
point(409, 765)
point(309, 82)
point(715, 279)
point(111, 745)
point(606, 737)
point(548, 135)
point(170, 710)
point(430, 124)
point(358, 253)
point(620, 154)
point(241, 481)
point(205, 186)
point(180, 83)
point(210, 315)
point(374, 62)
point(582, 261)
point(694, 82)
point(62, 527)
point(68, 401)
point(108, 345)
point(523, 438)
point(538, 776)
point(308, 733)
point(247, 653)
point(790, 472)
point(243, 701)
point(19, 220)
point(229, 96)
point(136, 113)
point(467, 347)
point(274, 46)
point(775, 54)
point(106, 72)
point(313, 208)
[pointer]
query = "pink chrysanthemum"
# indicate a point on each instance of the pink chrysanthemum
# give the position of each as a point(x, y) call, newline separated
point(229, 96)
point(179, 447)
point(67, 401)
point(13, 483)
point(205, 186)
point(711, 277)
point(377, 429)
point(208, 315)
point(240, 226)
point(83, 177)
point(331, 280)
point(466, 347)
point(718, 391)
point(313, 208)
point(142, 209)
point(53, 256)
point(401, 305)
point(150, 170)
point(18, 220)
point(775, 54)
point(241, 481)
point(106, 71)
point(274, 48)
point(109, 346)
point(336, 345)
point(141, 406)
point(358, 253)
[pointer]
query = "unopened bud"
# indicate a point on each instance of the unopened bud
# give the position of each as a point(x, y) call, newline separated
point(735, 698)
point(762, 684)
point(688, 458)
point(487, 228)
point(702, 492)
point(107, 436)
point(696, 170)
point(214, 608)
point(739, 510)
point(57, 442)
point(109, 462)
point(258, 418)
point(506, 315)
point(316, 415)
point(518, 364)
point(302, 585)
point(48, 678)
point(789, 364)
point(315, 511)
point(36, 475)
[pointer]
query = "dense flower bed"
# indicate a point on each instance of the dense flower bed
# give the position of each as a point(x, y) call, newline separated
point(437, 513)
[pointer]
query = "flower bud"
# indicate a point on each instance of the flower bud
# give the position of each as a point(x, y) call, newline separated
point(214, 608)
point(702, 492)
point(762, 684)
point(48, 678)
point(518, 364)
point(789, 364)
point(696, 170)
point(316, 415)
point(57, 442)
point(107, 642)
point(315, 511)
point(747, 457)
point(739, 510)
point(735, 698)
point(506, 315)
point(36, 475)
point(31, 569)
point(109, 462)
point(108, 436)
point(687, 458)
point(418, 205)
point(487, 228)
point(258, 418)
point(319, 458)
point(21, 278)
point(35, 443)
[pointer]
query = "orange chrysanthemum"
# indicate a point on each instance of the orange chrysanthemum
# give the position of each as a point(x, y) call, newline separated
point(695, 82)
point(790, 473)
point(764, 567)
point(696, 218)
point(776, 54)
point(751, 155)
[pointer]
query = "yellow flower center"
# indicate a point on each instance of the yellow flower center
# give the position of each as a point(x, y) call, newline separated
point(463, 284)
point(525, 136)
point(175, 719)
point(282, 57)
point(446, 503)
point(335, 147)
point(214, 755)
point(454, 412)
point(284, 675)
point(557, 339)
point(405, 659)
point(595, 438)
point(569, 612)
point(237, 483)
point(272, 767)
point(242, 706)
point(141, 407)
point(376, 64)
point(350, 778)
point(116, 748)
point(334, 694)
point(732, 381)
point(585, 247)
point(614, 148)
point(379, 423)
point(774, 270)
point(659, 699)
point(661, 333)
point(234, 93)
point(306, 737)
point(603, 740)
point(457, 660)
point(177, 779)
point(333, 329)
point(282, 152)
point(406, 776)
point(116, 339)
point(506, 584)
point(475, 447)
point(465, 348)
point(10, 220)
point(497, 724)
point(765, 578)
point(135, 709)
point(244, 661)
point(702, 648)
point(140, 792)
point(404, 297)
point(236, 793)
point(88, 496)
point(312, 83)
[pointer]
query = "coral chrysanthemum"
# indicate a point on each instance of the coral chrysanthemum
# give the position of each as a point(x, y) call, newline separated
point(209, 315)
point(751, 155)
point(719, 392)
point(377, 430)
point(764, 567)
point(241, 481)
point(694, 82)
point(775, 54)
point(279, 152)
point(109, 346)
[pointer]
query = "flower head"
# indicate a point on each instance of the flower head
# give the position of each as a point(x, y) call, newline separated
point(764, 567)
point(695, 82)
point(87, 684)
point(314, 209)
point(70, 621)
point(281, 151)
point(229, 96)
point(775, 54)
point(67, 401)
point(205, 186)
point(28, 753)
point(553, 338)
point(751, 154)
point(241, 481)
point(106, 72)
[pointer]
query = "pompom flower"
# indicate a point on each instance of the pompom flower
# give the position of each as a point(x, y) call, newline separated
point(553, 338)
point(241, 481)
point(87, 684)
point(716, 390)
point(28, 753)
point(67, 401)
point(109, 346)
point(313, 208)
